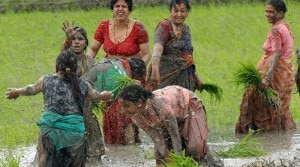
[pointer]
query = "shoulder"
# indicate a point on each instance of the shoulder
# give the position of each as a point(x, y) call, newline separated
point(103, 23)
point(139, 26)
point(165, 22)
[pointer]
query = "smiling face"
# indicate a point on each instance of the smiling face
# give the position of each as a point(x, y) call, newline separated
point(179, 13)
point(121, 10)
point(78, 43)
point(272, 15)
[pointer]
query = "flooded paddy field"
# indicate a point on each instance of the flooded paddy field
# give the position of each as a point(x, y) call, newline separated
point(283, 151)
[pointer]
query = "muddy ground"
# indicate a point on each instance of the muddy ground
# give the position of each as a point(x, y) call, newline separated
point(283, 151)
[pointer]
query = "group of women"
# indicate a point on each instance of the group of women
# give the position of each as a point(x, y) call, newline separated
point(162, 103)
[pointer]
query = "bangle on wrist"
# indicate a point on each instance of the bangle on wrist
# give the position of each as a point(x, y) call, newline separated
point(266, 78)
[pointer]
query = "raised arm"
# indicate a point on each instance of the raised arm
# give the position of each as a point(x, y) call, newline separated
point(29, 90)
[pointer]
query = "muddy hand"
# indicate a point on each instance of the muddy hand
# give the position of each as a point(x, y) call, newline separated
point(68, 29)
point(107, 96)
point(11, 93)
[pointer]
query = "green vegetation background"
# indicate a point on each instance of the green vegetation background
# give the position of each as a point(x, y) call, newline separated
point(223, 35)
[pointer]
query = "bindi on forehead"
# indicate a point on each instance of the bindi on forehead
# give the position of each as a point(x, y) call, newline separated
point(179, 5)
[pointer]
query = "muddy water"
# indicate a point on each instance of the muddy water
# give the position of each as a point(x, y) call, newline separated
point(283, 149)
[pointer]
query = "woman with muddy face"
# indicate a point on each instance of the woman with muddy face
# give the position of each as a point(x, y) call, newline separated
point(77, 41)
point(172, 59)
point(277, 70)
point(174, 118)
point(61, 140)
point(122, 38)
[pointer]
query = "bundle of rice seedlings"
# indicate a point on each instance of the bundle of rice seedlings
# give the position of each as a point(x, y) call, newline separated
point(181, 161)
point(123, 81)
point(247, 147)
point(214, 90)
point(248, 76)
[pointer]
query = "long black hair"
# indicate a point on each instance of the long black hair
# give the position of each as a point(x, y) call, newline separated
point(135, 92)
point(137, 67)
point(66, 62)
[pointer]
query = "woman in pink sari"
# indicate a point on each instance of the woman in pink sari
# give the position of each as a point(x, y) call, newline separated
point(174, 117)
point(277, 70)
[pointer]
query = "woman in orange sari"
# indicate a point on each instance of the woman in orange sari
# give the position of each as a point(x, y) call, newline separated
point(277, 70)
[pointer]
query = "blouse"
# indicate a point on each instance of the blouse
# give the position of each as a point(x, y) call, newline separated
point(128, 47)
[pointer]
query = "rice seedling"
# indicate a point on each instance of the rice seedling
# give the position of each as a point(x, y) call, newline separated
point(249, 77)
point(181, 161)
point(247, 147)
point(214, 90)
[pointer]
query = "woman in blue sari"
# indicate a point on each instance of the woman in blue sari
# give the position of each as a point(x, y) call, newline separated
point(172, 60)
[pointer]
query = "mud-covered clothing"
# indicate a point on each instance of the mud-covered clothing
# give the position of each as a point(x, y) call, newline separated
point(175, 120)
point(176, 62)
point(253, 111)
point(84, 64)
point(58, 95)
point(61, 139)
point(101, 76)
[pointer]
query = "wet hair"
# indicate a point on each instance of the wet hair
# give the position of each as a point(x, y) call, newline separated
point(113, 2)
point(66, 62)
point(135, 92)
point(137, 67)
point(84, 34)
point(279, 5)
point(173, 3)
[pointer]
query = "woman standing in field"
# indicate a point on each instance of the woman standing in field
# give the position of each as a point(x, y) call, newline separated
point(122, 38)
point(77, 41)
point(172, 60)
point(277, 70)
point(62, 131)
point(174, 118)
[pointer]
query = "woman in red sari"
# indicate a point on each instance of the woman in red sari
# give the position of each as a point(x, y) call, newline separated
point(277, 70)
point(122, 38)
point(172, 60)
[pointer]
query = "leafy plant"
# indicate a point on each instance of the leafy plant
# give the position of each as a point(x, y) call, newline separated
point(247, 147)
point(248, 76)
point(181, 161)
point(214, 90)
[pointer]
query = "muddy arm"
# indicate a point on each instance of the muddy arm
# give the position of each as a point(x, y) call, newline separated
point(172, 127)
point(158, 140)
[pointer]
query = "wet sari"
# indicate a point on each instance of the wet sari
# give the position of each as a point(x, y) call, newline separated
point(175, 116)
point(176, 63)
point(253, 111)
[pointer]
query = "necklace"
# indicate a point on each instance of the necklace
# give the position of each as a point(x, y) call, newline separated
point(120, 37)
point(83, 65)
point(176, 28)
